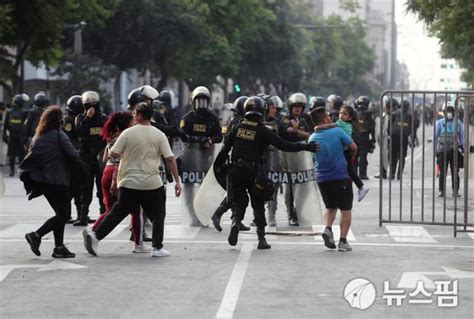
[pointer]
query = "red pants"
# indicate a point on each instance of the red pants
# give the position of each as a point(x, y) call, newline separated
point(109, 201)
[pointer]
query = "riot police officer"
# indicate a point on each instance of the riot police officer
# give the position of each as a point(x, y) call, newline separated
point(40, 102)
point(316, 101)
point(74, 107)
point(295, 127)
point(247, 141)
point(238, 109)
point(390, 104)
point(13, 128)
point(400, 130)
point(334, 106)
point(272, 156)
point(165, 107)
point(366, 138)
point(89, 126)
point(203, 130)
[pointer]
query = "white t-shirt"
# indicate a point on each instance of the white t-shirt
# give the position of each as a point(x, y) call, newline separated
point(141, 148)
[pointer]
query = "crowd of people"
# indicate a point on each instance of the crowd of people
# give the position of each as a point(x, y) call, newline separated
point(125, 154)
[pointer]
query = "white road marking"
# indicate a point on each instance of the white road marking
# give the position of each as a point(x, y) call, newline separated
point(18, 230)
point(178, 231)
point(232, 291)
point(410, 234)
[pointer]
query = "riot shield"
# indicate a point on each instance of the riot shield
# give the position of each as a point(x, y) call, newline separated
point(209, 196)
point(299, 169)
point(195, 162)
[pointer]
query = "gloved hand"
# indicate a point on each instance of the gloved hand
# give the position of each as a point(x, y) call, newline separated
point(205, 142)
point(312, 147)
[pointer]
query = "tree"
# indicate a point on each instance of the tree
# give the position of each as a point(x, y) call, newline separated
point(36, 29)
point(451, 21)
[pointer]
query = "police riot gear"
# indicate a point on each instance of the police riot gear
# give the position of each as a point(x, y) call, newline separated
point(74, 105)
point(40, 100)
point(247, 141)
point(335, 103)
point(362, 102)
point(238, 106)
point(365, 140)
point(297, 99)
point(13, 130)
point(200, 98)
point(400, 129)
point(89, 130)
point(254, 106)
point(33, 117)
point(316, 101)
point(275, 100)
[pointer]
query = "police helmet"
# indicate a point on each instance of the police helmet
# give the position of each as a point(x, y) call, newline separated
point(165, 97)
point(141, 94)
point(20, 100)
point(297, 99)
point(335, 100)
point(362, 102)
point(405, 105)
point(316, 101)
point(275, 100)
point(390, 101)
point(238, 106)
point(74, 104)
point(40, 100)
point(254, 105)
point(200, 98)
point(90, 97)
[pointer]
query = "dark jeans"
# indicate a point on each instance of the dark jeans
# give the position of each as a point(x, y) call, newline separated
point(395, 156)
point(443, 171)
point(153, 203)
point(60, 200)
point(351, 169)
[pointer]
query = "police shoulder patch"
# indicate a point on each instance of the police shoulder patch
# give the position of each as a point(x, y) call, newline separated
point(182, 123)
point(68, 127)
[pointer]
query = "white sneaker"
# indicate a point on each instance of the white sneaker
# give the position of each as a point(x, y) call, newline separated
point(90, 241)
point(160, 252)
point(141, 249)
point(362, 192)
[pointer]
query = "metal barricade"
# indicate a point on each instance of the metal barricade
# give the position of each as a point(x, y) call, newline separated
point(410, 196)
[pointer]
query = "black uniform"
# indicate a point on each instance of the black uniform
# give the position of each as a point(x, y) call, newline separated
point(31, 123)
point(365, 140)
point(12, 135)
point(92, 145)
point(70, 129)
point(400, 130)
point(248, 141)
point(201, 126)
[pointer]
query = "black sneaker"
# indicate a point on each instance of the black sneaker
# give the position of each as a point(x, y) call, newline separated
point(216, 221)
point(293, 222)
point(62, 252)
point(262, 244)
point(80, 222)
point(234, 234)
point(242, 227)
point(34, 241)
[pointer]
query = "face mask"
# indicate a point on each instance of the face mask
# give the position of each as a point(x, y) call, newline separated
point(449, 116)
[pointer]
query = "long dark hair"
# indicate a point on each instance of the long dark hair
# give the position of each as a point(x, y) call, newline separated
point(51, 119)
point(354, 118)
point(118, 121)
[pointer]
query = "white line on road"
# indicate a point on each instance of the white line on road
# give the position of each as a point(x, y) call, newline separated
point(232, 291)
point(410, 234)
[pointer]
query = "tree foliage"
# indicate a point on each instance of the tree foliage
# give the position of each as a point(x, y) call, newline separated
point(452, 22)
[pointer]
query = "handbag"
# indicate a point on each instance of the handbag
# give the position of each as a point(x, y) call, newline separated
point(460, 160)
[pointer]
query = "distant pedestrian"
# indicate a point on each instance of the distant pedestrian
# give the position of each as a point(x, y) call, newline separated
point(140, 149)
point(332, 177)
point(46, 164)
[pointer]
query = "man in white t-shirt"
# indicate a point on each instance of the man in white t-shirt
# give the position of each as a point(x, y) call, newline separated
point(140, 149)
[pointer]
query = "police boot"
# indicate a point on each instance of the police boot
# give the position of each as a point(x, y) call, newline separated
point(216, 218)
point(234, 232)
point(262, 242)
point(83, 218)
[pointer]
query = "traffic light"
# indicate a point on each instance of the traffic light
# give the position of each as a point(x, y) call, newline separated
point(236, 88)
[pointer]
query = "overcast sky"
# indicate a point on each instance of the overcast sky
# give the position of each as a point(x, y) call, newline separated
point(419, 51)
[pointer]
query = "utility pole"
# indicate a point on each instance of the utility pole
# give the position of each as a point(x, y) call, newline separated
point(393, 49)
